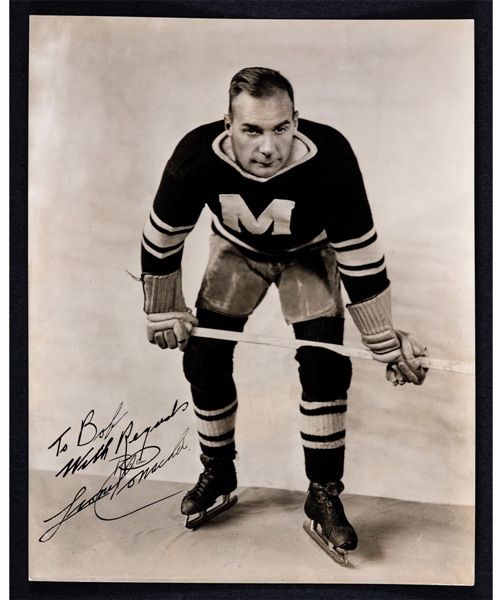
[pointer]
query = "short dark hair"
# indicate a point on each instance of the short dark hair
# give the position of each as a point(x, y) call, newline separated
point(259, 82)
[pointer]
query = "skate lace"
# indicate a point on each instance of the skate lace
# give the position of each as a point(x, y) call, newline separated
point(330, 500)
point(203, 483)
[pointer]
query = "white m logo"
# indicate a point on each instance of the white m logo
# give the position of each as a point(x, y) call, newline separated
point(234, 211)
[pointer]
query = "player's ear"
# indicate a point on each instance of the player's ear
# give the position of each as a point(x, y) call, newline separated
point(227, 123)
point(296, 119)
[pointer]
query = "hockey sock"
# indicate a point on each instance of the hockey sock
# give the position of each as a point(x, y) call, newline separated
point(216, 429)
point(208, 366)
point(325, 377)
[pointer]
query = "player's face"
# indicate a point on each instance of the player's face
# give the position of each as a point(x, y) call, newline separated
point(261, 131)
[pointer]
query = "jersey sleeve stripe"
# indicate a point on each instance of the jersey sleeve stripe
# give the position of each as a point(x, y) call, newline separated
point(161, 225)
point(164, 249)
point(371, 255)
point(366, 270)
point(353, 241)
point(160, 240)
point(158, 252)
point(363, 267)
point(367, 242)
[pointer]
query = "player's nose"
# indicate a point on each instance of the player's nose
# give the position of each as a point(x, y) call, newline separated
point(267, 146)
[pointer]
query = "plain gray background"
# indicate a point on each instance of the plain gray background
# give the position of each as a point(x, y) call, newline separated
point(109, 100)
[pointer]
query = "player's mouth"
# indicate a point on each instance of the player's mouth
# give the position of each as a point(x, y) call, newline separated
point(266, 165)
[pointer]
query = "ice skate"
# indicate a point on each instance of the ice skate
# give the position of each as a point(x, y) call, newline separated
point(218, 479)
point(327, 524)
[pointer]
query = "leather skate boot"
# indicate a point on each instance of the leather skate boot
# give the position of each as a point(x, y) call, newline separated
point(217, 479)
point(328, 524)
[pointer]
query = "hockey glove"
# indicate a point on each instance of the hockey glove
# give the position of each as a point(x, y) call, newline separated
point(169, 320)
point(412, 350)
point(373, 318)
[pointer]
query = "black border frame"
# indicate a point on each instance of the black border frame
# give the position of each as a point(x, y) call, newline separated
point(20, 10)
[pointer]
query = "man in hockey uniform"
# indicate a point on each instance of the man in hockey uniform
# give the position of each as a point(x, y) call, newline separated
point(289, 207)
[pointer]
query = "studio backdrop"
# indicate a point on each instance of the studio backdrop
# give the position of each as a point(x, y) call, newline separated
point(110, 98)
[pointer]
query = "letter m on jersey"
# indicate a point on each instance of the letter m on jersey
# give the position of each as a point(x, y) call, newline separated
point(235, 211)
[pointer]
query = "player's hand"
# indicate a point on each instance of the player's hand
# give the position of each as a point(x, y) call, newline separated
point(171, 329)
point(407, 368)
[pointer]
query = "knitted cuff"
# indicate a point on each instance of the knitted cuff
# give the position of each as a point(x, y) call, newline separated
point(163, 293)
point(374, 320)
point(373, 315)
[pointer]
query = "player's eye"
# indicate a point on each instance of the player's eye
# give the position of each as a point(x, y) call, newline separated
point(251, 131)
point(280, 129)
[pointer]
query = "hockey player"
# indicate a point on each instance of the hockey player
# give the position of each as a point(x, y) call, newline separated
point(289, 207)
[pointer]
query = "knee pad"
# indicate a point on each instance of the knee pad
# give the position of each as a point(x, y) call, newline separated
point(323, 374)
point(208, 363)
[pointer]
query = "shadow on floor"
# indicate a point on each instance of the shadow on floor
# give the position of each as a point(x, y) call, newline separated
point(259, 540)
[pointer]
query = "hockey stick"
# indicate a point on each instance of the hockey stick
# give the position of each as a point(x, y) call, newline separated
point(252, 338)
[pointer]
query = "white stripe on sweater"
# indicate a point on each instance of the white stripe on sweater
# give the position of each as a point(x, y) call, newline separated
point(160, 254)
point(361, 256)
point(359, 240)
point(363, 272)
point(168, 227)
point(162, 240)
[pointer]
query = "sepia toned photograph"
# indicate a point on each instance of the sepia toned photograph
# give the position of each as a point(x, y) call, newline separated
point(251, 301)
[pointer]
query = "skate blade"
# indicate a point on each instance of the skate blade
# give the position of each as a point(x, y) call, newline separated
point(337, 554)
point(207, 515)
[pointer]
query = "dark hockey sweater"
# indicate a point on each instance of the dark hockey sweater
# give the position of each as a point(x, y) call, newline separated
point(319, 196)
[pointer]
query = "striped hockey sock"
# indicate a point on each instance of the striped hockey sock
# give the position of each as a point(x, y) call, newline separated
point(322, 427)
point(216, 429)
point(208, 366)
point(325, 377)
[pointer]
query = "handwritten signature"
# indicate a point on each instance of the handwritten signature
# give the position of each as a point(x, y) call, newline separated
point(131, 467)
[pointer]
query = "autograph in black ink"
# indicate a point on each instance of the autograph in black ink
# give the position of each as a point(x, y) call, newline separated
point(89, 433)
point(131, 467)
